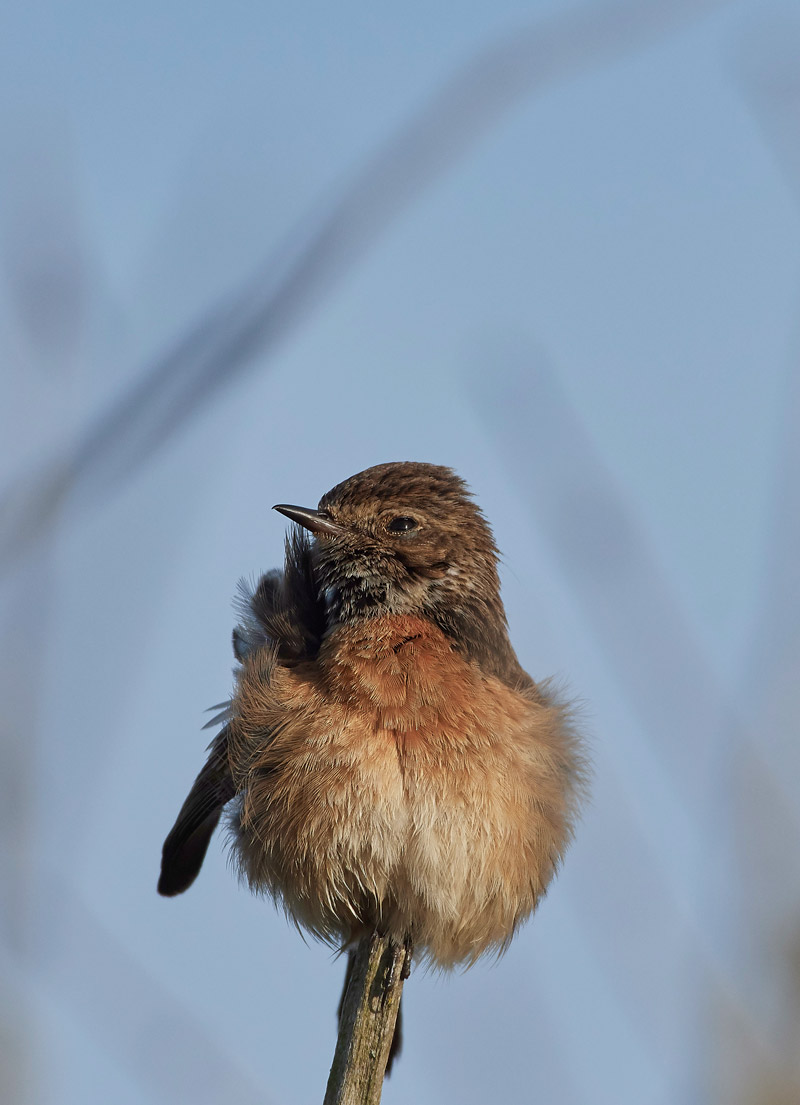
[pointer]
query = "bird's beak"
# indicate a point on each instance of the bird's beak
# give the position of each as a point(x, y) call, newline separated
point(313, 520)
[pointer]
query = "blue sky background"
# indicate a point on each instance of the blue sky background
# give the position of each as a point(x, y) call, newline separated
point(591, 314)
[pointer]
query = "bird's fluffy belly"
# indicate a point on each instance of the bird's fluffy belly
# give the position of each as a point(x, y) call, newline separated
point(390, 783)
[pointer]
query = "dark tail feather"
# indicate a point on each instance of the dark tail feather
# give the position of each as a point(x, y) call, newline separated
point(186, 846)
point(397, 1039)
point(183, 855)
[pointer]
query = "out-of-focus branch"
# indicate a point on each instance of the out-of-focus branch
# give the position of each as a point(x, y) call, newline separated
point(227, 337)
point(770, 82)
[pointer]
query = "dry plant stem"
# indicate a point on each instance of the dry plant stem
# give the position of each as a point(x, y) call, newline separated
point(367, 1023)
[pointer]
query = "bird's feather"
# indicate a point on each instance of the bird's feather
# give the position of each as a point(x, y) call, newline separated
point(185, 847)
point(283, 613)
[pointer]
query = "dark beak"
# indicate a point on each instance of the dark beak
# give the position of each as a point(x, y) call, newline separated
point(315, 520)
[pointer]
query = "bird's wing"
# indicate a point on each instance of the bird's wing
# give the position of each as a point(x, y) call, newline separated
point(185, 847)
point(284, 612)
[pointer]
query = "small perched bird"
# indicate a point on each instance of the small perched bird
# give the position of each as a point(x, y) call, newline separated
point(388, 763)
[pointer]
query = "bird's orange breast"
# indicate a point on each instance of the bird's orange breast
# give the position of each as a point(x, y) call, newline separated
point(390, 782)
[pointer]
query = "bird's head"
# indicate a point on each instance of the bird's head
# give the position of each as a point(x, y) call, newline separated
point(406, 538)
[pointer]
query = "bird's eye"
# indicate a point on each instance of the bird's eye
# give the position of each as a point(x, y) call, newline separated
point(402, 524)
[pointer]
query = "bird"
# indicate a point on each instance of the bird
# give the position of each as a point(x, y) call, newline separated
point(386, 763)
